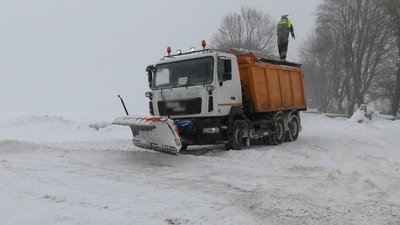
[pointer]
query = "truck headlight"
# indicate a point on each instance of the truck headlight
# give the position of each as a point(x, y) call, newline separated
point(211, 130)
point(148, 94)
point(210, 88)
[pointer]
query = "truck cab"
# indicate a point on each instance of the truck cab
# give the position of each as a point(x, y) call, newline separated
point(198, 91)
point(198, 85)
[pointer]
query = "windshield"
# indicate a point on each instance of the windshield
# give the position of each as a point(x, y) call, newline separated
point(184, 73)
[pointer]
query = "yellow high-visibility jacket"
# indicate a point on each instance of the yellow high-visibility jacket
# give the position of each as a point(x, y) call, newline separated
point(284, 27)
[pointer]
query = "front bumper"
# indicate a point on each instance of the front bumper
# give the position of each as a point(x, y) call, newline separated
point(202, 131)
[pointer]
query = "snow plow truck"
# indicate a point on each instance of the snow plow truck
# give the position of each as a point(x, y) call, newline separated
point(210, 97)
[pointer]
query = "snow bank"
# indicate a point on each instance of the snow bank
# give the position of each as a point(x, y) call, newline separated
point(45, 128)
point(100, 125)
point(358, 116)
point(366, 116)
point(36, 119)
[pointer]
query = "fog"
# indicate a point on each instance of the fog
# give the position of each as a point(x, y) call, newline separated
point(75, 56)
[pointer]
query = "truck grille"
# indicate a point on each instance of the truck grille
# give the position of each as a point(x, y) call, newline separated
point(182, 107)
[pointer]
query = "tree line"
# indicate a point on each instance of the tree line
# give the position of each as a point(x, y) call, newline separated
point(353, 56)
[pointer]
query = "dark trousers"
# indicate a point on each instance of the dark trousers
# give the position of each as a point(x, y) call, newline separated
point(283, 43)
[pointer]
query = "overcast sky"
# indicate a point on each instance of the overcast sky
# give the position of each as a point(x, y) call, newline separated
point(76, 55)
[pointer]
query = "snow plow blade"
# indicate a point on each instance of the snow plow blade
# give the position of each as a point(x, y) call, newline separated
point(156, 133)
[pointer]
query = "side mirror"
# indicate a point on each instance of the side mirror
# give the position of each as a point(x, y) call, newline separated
point(150, 70)
point(227, 70)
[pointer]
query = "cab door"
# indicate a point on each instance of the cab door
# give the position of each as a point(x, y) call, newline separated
point(228, 88)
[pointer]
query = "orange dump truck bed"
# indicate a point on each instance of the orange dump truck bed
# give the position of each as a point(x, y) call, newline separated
point(270, 87)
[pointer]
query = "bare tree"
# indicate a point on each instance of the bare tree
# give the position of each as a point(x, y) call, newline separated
point(354, 48)
point(329, 83)
point(361, 29)
point(317, 80)
point(392, 8)
point(250, 29)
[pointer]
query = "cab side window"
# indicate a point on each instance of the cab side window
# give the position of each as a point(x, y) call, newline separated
point(222, 70)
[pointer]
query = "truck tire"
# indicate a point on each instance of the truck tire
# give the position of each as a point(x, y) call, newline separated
point(236, 139)
point(294, 127)
point(279, 131)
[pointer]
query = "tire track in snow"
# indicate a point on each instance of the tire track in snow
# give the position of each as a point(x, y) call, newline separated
point(221, 176)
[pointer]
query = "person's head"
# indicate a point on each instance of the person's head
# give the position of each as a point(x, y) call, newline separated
point(284, 17)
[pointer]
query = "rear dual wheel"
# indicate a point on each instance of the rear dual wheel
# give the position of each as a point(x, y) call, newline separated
point(279, 132)
point(293, 128)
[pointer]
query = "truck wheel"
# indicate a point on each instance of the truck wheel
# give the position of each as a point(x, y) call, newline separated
point(279, 131)
point(294, 127)
point(237, 139)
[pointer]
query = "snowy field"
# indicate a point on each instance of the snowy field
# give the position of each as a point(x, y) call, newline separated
point(57, 171)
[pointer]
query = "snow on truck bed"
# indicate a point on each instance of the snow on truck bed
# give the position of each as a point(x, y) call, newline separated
point(57, 171)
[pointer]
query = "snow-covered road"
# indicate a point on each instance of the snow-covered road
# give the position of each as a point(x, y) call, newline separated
point(54, 171)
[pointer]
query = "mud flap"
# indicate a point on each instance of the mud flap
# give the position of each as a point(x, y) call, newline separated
point(157, 133)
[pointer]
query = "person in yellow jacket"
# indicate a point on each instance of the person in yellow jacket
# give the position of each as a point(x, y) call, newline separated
point(284, 27)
